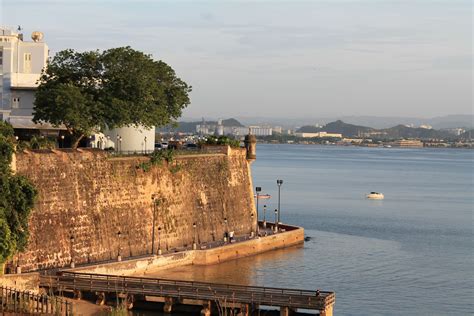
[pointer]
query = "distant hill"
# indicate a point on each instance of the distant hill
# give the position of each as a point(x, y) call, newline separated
point(190, 127)
point(448, 121)
point(308, 129)
point(399, 131)
point(452, 121)
point(402, 131)
point(347, 130)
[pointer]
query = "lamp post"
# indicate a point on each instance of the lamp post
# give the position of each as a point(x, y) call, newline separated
point(264, 219)
point(155, 201)
point(18, 266)
point(62, 141)
point(256, 229)
point(225, 229)
point(71, 239)
point(279, 183)
point(119, 252)
point(145, 143)
point(120, 144)
point(258, 190)
point(159, 241)
point(276, 223)
point(194, 236)
point(107, 141)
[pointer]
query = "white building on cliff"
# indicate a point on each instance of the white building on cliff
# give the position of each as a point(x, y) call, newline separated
point(21, 63)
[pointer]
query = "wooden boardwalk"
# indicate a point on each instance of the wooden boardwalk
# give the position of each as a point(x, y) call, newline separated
point(289, 299)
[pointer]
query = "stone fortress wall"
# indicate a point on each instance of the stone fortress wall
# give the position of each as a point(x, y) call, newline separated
point(91, 197)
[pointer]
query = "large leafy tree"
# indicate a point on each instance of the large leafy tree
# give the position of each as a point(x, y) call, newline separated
point(17, 197)
point(91, 91)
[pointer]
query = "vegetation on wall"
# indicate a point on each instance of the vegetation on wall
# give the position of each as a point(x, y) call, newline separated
point(157, 158)
point(221, 140)
point(91, 91)
point(37, 142)
point(17, 197)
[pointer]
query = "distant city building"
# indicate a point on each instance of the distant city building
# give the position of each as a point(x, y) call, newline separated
point(408, 143)
point(261, 131)
point(21, 63)
point(455, 131)
point(277, 129)
point(318, 135)
point(219, 129)
point(353, 140)
point(426, 126)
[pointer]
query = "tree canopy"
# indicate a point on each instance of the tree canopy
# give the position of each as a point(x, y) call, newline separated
point(91, 91)
point(17, 197)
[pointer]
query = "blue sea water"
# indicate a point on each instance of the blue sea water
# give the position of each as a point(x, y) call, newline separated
point(409, 254)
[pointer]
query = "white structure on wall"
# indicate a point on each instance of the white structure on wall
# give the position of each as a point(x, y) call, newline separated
point(131, 139)
point(21, 63)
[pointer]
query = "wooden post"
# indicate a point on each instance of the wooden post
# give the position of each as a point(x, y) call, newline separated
point(77, 295)
point(206, 309)
point(327, 311)
point(286, 311)
point(168, 308)
point(100, 298)
point(244, 310)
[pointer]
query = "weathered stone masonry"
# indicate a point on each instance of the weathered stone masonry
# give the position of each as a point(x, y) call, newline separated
point(92, 197)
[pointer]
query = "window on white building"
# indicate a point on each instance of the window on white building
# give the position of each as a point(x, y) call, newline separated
point(27, 63)
point(16, 103)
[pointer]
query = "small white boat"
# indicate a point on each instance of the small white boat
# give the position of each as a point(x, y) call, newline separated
point(375, 196)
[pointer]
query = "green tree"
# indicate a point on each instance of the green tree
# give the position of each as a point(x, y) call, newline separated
point(91, 91)
point(17, 197)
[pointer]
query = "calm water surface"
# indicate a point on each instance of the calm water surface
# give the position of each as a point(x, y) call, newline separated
point(409, 254)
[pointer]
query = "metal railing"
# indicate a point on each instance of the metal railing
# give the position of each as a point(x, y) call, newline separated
point(268, 296)
point(15, 301)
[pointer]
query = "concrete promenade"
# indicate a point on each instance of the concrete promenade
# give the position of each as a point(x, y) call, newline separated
point(204, 254)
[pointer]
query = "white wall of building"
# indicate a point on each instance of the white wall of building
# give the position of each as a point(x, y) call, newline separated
point(21, 64)
point(136, 139)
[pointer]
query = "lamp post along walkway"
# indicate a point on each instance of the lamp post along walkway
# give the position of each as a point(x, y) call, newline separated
point(279, 183)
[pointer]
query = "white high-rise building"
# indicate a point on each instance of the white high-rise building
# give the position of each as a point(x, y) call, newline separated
point(21, 63)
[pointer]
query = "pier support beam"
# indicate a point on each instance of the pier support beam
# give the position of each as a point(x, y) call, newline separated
point(206, 309)
point(168, 308)
point(327, 311)
point(286, 311)
point(77, 295)
point(100, 298)
point(244, 310)
point(128, 301)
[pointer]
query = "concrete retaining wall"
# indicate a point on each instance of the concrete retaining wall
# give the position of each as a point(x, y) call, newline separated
point(146, 266)
point(23, 282)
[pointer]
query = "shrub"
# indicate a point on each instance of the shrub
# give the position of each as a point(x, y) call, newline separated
point(17, 197)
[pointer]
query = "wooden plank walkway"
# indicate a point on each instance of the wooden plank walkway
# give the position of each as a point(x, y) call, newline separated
point(268, 296)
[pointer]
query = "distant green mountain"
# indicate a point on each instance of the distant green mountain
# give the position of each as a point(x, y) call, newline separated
point(347, 130)
point(308, 129)
point(399, 131)
point(190, 127)
point(402, 131)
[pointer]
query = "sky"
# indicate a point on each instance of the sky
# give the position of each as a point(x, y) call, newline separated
point(282, 59)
